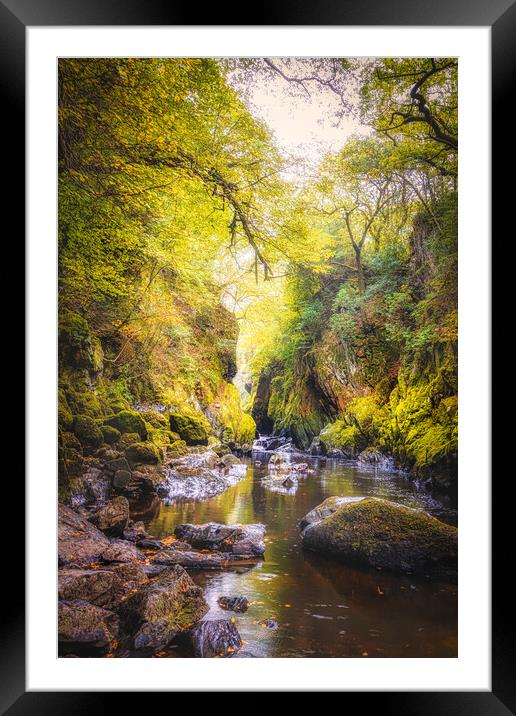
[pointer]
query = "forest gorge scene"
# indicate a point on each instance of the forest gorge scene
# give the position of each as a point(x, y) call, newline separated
point(257, 401)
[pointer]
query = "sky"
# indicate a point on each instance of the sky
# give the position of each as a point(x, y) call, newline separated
point(305, 125)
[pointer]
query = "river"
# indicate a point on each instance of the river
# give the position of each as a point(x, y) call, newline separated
point(322, 608)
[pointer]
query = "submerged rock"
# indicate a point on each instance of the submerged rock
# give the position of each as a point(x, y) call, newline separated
point(113, 518)
point(385, 535)
point(162, 608)
point(218, 637)
point(243, 540)
point(81, 624)
point(233, 604)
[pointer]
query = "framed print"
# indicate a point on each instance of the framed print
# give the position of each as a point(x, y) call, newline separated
point(258, 365)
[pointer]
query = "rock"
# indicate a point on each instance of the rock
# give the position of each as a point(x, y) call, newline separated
point(229, 460)
point(122, 551)
point(385, 535)
point(145, 453)
point(134, 532)
point(325, 509)
point(113, 518)
point(94, 586)
point(149, 543)
point(236, 539)
point(133, 484)
point(128, 421)
point(217, 637)
point(298, 467)
point(162, 608)
point(193, 559)
point(374, 458)
point(317, 447)
point(191, 429)
point(269, 624)
point(79, 542)
point(127, 576)
point(111, 435)
point(95, 486)
point(233, 604)
point(88, 432)
point(113, 466)
point(336, 453)
point(279, 461)
point(81, 624)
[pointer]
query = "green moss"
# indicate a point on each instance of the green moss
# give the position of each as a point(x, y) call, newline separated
point(64, 413)
point(177, 449)
point(128, 421)
point(192, 429)
point(156, 418)
point(111, 435)
point(128, 439)
point(146, 453)
point(88, 432)
point(386, 535)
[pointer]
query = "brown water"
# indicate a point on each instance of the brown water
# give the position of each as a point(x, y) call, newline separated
point(323, 608)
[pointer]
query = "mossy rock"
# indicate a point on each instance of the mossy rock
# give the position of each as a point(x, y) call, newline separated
point(145, 453)
point(111, 435)
point(71, 441)
point(191, 429)
point(177, 449)
point(118, 405)
point(161, 437)
point(128, 421)
point(155, 418)
point(88, 432)
point(128, 439)
point(64, 413)
point(83, 402)
point(78, 347)
point(385, 535)
point(340, 436)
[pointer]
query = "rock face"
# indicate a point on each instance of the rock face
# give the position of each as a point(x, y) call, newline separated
point(218, 637)
point(113, 518)
point(79, 542)
point(162, 608)
point(83, 625)
point(384, 535)
point(243, 540)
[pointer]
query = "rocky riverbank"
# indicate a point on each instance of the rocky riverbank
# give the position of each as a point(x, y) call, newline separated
point(123, 592)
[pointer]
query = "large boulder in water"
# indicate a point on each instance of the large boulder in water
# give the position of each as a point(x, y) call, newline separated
point(162, 608)
point(113, 518)
point(244, 540)
point(385, 535)
point(79, 542)
point(216, 637)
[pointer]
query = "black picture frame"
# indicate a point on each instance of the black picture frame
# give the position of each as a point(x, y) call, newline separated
point(500, 15)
